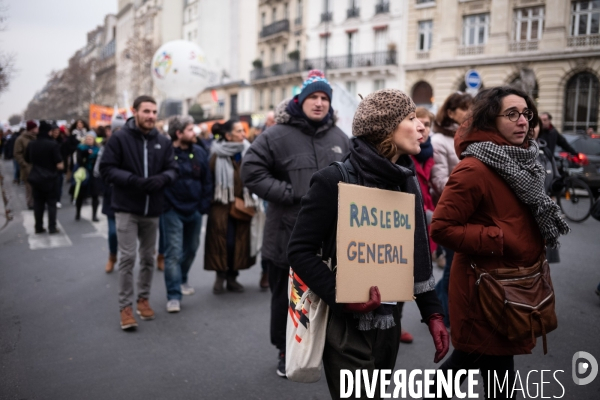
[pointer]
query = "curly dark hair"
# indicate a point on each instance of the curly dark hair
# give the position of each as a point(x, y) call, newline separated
point(454, 101)
point(488, 104)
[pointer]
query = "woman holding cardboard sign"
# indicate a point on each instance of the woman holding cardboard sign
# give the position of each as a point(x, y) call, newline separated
point(494, 212)
point(366, 336)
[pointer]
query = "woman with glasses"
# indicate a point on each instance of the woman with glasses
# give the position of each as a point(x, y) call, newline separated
point(494, 212)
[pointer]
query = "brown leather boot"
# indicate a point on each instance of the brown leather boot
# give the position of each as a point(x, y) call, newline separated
point(144, 310)
point(233, 285)
point(160, 262)
point(110, 265)
point(264, 281)
point(127, 319)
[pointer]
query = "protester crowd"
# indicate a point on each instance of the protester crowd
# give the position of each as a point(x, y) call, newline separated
point(275, 195)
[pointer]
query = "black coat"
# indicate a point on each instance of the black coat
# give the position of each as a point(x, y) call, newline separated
point(129, 153)
point(553, 138)
point(316, 229)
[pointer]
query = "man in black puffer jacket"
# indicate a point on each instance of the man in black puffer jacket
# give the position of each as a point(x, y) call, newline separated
point(139, 162)
point(278, 168)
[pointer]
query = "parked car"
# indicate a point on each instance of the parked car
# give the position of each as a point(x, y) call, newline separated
point(586, 164)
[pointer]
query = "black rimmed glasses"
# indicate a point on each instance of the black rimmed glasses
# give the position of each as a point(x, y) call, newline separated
point(514, 115)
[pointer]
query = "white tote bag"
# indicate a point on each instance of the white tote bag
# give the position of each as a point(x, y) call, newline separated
point(306, 330)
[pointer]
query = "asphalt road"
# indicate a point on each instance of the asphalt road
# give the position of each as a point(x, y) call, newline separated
point(60, 336)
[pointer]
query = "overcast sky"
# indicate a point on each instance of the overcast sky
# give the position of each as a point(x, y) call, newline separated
point(44, 34)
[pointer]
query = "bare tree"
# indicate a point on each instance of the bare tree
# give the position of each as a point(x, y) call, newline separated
point(7, 60)
point(14, 119)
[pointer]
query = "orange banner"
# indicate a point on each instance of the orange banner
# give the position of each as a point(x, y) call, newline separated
point(101, 115)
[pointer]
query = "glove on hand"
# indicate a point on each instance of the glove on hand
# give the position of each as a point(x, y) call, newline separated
point(438, 332)
point(155, 183)
point(363, 308)
point(137, 182)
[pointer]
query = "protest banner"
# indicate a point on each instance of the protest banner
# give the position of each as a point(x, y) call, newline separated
point(375, 244)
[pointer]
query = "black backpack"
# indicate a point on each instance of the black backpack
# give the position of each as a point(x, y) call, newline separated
point(347, 171)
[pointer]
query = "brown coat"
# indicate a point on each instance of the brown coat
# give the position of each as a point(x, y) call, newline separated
point(19, 153)
point(481, 218)
point(215, 254)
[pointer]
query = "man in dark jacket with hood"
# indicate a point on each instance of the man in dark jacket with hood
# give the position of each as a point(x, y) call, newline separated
point(139, 162)
point(187, 200)
point(278, 168)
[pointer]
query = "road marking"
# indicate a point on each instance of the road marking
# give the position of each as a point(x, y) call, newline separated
point(43, 240)
point(101, 226)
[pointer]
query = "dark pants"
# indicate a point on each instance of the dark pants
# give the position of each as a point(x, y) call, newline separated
point(501, 365)
point(441, 288)
point(113, 243)
point(348, 348)
point(79, 204)
point(17, 171)
point(278, 282)
point(231, 271)
point(40, 199)
point(59, 185)
point(162, 245)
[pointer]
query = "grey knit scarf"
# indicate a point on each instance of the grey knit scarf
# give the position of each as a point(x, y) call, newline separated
point(224, 184)
point(525, 176)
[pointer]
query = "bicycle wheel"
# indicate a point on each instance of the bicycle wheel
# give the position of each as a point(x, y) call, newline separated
point(576, 200)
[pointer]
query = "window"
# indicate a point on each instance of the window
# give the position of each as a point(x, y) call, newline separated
point(273, 56)
point(298, 12)
point(381, 39)
point(585, 18)
point(476, 29)
point(351, 87)
point(283, 93)
point(286, 11)
point(284, 53)
point(325, 6)
point(263, 20)
point(581, 102)
point(351, 43)
point(262, 56)
point(272, 98)
point(274, 15)
point(261, 99)
point(425, 33)
point(378, 84)
point(324, 40)
point(190, 36)
point(529, 23)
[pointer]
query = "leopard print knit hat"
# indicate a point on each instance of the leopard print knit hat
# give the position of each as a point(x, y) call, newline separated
point(379, 114)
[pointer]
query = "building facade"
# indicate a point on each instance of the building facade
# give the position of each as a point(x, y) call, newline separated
point(280, 43)
point(550, 48)
point(358, 43)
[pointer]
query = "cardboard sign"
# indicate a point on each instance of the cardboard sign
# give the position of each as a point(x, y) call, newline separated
point(375, 244)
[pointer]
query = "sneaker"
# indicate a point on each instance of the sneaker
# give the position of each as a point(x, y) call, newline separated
point(281, 365)
point(127, 319)
point(187, 290)
point(173, 306)
point(144, 310)
point(405, 337)
point(58, 205)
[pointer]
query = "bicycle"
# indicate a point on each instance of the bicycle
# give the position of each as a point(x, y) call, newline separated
point(573, 196)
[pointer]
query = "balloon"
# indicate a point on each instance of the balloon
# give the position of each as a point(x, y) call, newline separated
point(180, 70)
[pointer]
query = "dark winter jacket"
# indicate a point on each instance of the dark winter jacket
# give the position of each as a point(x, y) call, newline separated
point(9, 146)
point(553, 138)
point(193, 189)
point(278, 168)
point(130, 155)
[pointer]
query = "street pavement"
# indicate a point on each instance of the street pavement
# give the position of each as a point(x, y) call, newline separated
point(60, 336)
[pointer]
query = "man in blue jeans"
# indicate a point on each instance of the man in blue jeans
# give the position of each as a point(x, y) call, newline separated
point(187, 199)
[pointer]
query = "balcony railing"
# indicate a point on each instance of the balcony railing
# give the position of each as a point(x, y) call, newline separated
point(530, 45)
point(326, 16)
point(276, 27)
point(108, 50)
point(471, 50)
point(353, 12)
point(580, 41)
point(382, 8)
point(362, 60)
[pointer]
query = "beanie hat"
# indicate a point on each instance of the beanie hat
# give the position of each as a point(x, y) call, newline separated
point(117, 122)
point(315, 82)
point(379, 114)
point(91, 133)
point(31, 125)
point(45, 128)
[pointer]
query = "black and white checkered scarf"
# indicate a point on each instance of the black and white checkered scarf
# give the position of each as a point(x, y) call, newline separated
point(525, 175)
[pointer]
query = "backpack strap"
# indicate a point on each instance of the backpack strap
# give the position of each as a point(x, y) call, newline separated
point(347, 171)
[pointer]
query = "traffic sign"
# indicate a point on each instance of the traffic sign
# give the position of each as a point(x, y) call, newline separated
point(472, 79)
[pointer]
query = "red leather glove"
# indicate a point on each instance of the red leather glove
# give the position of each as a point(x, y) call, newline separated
point(373, 303)
point(438, 332)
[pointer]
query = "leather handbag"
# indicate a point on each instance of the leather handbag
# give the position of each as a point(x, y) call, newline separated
point(518, 302)
point(239, 211)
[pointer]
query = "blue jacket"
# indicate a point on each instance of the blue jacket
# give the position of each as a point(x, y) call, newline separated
point(193, 190)
point(130, 153)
